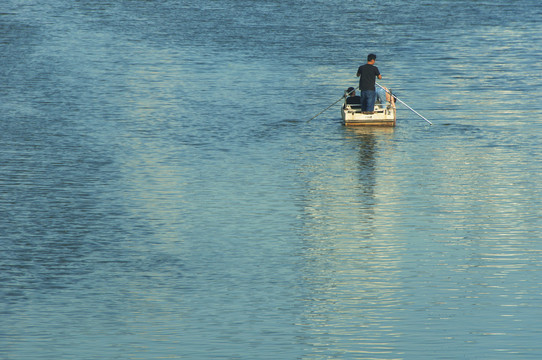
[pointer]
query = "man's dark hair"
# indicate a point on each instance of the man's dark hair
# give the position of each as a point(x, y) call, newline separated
point(371, 57)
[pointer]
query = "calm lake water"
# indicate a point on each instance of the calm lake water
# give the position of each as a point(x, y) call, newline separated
point(162, 195)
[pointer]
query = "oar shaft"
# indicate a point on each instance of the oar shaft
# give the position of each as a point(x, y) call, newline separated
point(402, 102)
point(342, 97)
point(414, 111)
point(325, 109)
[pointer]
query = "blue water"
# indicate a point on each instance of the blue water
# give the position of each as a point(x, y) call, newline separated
point(164, 196)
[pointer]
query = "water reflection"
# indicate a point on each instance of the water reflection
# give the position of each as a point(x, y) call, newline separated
point(351, 266)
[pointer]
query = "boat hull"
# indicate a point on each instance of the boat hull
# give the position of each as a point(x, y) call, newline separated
point(384, 115)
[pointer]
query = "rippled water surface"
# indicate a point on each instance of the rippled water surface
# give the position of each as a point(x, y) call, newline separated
point(163, 195)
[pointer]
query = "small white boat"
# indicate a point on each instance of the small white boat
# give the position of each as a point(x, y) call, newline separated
point(384, 114)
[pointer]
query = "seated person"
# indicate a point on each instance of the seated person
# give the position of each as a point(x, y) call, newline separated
point(352, 98)
point(381, 96)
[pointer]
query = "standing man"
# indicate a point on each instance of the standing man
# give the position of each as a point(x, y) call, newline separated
point(367, 74)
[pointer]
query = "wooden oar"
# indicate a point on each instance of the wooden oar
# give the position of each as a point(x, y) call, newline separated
point(402, 102)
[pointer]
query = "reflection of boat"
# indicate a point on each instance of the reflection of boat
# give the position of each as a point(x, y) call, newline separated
point(358, 131)
point(384, 114)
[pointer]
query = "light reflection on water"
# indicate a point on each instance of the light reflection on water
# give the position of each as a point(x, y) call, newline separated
point(163, 196)
point(354, 275)
point(447, 256)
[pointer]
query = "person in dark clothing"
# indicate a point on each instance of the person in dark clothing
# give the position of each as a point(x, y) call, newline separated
point(367, 74)
point(352, 98)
